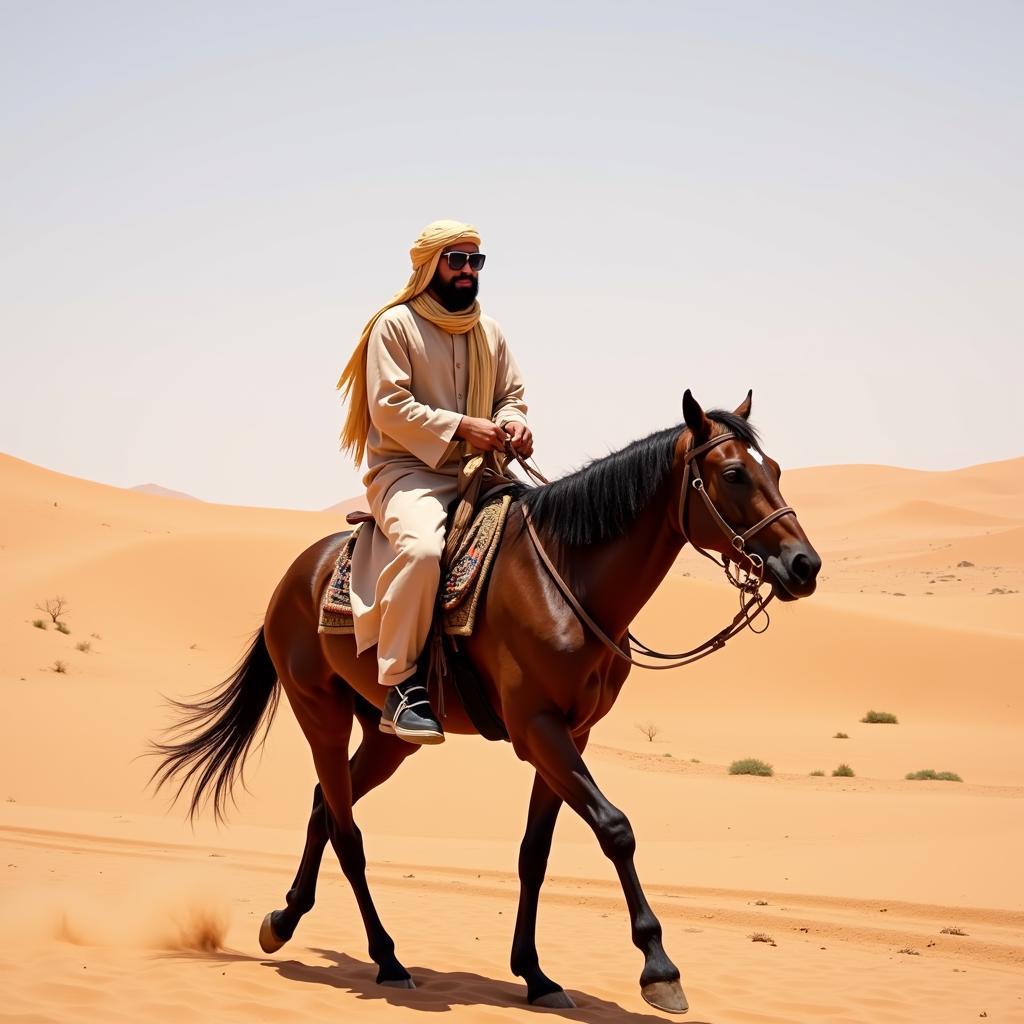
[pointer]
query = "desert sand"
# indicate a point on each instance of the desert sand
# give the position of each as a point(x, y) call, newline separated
point(114, 909)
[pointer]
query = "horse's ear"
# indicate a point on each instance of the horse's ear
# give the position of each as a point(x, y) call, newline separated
point(743, 409)
point(698, 423)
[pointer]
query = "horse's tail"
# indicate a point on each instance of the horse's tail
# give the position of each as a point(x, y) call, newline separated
point(207, 747)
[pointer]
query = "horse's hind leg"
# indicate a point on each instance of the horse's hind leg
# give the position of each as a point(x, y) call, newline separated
point(335, 778)
point(376, 760)
point(279, 925)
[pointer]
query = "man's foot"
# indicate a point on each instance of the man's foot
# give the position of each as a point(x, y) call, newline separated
point(407, 714)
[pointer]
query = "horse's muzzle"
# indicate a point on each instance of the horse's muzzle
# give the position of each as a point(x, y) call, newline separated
point(793, 572)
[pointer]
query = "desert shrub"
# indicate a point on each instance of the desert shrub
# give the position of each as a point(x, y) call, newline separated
point(39, 623)
point(818, 772)
point(840, 736)
point(952, 931)
point(60, 666)
point(908, 951)
point(62, 627)
point(931, 775)
point(84, 646)
point(649, 729)
point(844, 771)
point(750, 766)
point(880, 718)
point(762, 937)
point(55, 607)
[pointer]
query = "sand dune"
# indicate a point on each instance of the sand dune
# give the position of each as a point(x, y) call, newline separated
point(115, 909)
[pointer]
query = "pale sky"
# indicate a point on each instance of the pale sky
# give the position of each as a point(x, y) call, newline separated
point(202, 203)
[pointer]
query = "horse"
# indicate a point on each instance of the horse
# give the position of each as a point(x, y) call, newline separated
point(588, 549)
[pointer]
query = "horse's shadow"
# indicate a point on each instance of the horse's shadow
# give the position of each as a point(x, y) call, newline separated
point(440, 991)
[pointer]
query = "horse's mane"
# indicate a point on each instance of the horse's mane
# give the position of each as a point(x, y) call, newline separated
point(601, 501)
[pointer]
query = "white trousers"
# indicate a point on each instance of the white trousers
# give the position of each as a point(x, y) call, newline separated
point(411, 514)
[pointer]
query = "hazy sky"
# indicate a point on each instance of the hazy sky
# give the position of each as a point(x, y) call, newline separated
point(202, 203)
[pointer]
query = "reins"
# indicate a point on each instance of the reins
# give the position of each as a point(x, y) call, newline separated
point(747, 579)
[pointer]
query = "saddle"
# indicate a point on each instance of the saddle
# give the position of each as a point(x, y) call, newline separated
point(475, 526)
point(462, 582)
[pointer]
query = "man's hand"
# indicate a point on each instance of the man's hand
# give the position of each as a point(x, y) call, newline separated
point(521, 438)
point(481, 434)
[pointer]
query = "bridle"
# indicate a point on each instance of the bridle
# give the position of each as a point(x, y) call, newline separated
point(747, 579)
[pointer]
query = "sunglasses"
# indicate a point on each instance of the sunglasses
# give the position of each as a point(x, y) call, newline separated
point(458, 260)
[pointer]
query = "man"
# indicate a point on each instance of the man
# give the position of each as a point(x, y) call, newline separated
point(430, 380)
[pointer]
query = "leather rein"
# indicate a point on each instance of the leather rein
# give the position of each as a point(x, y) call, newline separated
point(747, 579)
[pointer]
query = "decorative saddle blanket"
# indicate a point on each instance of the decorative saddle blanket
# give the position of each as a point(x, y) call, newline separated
point(461, 587)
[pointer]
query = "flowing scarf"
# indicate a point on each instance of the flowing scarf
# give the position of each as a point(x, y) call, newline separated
point(426, 254)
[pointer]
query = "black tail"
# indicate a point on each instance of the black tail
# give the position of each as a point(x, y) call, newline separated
point(208, 746)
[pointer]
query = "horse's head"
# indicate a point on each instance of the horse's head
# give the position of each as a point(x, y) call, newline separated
point(730, 501)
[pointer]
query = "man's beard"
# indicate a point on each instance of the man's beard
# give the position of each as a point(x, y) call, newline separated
point(455, 298)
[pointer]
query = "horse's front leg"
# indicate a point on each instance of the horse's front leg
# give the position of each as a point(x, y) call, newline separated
point(533, 862)
point(547, 744)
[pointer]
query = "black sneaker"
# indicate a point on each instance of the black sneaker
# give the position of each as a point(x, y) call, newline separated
point(407, 714)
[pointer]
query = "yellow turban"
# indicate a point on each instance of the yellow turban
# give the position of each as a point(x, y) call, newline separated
point(425, 253)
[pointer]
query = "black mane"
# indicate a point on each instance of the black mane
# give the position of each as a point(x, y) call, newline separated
point(600, 501)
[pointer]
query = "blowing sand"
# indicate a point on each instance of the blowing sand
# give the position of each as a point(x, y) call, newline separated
point(113, 909)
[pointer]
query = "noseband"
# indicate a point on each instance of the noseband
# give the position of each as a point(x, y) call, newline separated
point(753, 572)
point(748, 579)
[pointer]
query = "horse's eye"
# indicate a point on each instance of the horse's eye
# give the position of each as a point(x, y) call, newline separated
point(733, 476)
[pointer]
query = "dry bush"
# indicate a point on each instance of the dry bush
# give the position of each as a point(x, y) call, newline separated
point(649, 729)
point(39, 623)
point(60, 666)
point(55, 607)
point(880, 718)
point(750, 766)
point(843, 771)
point(84, 646)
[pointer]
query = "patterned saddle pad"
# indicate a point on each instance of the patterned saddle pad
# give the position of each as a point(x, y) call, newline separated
point(460, 589)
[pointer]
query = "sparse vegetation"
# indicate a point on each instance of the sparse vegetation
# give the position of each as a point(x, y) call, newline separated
point(843, 771)
point(95, 636)
point(880, 718)
point(840, 736)
point(55, 607)
point(39, 623)
point(908, 951)
point(750, 766)
point(62, 627)
point(952, 931)
point(649, 729)
point(760, 903)
point(60, 666)
point(929, 774)
point(818, 772)
point(762, 937)
point(84, 646)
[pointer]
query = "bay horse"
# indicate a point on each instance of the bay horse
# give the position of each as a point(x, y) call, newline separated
point(611, 531)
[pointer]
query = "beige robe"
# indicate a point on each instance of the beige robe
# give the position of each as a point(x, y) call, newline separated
point(416, 378)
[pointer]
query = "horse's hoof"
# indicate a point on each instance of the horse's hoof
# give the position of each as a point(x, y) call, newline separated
point(269, 942)
point(398, 983)
point(559, 1000)
point(665, 995)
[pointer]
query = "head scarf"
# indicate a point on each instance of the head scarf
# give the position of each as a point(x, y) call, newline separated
point(426, 254)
